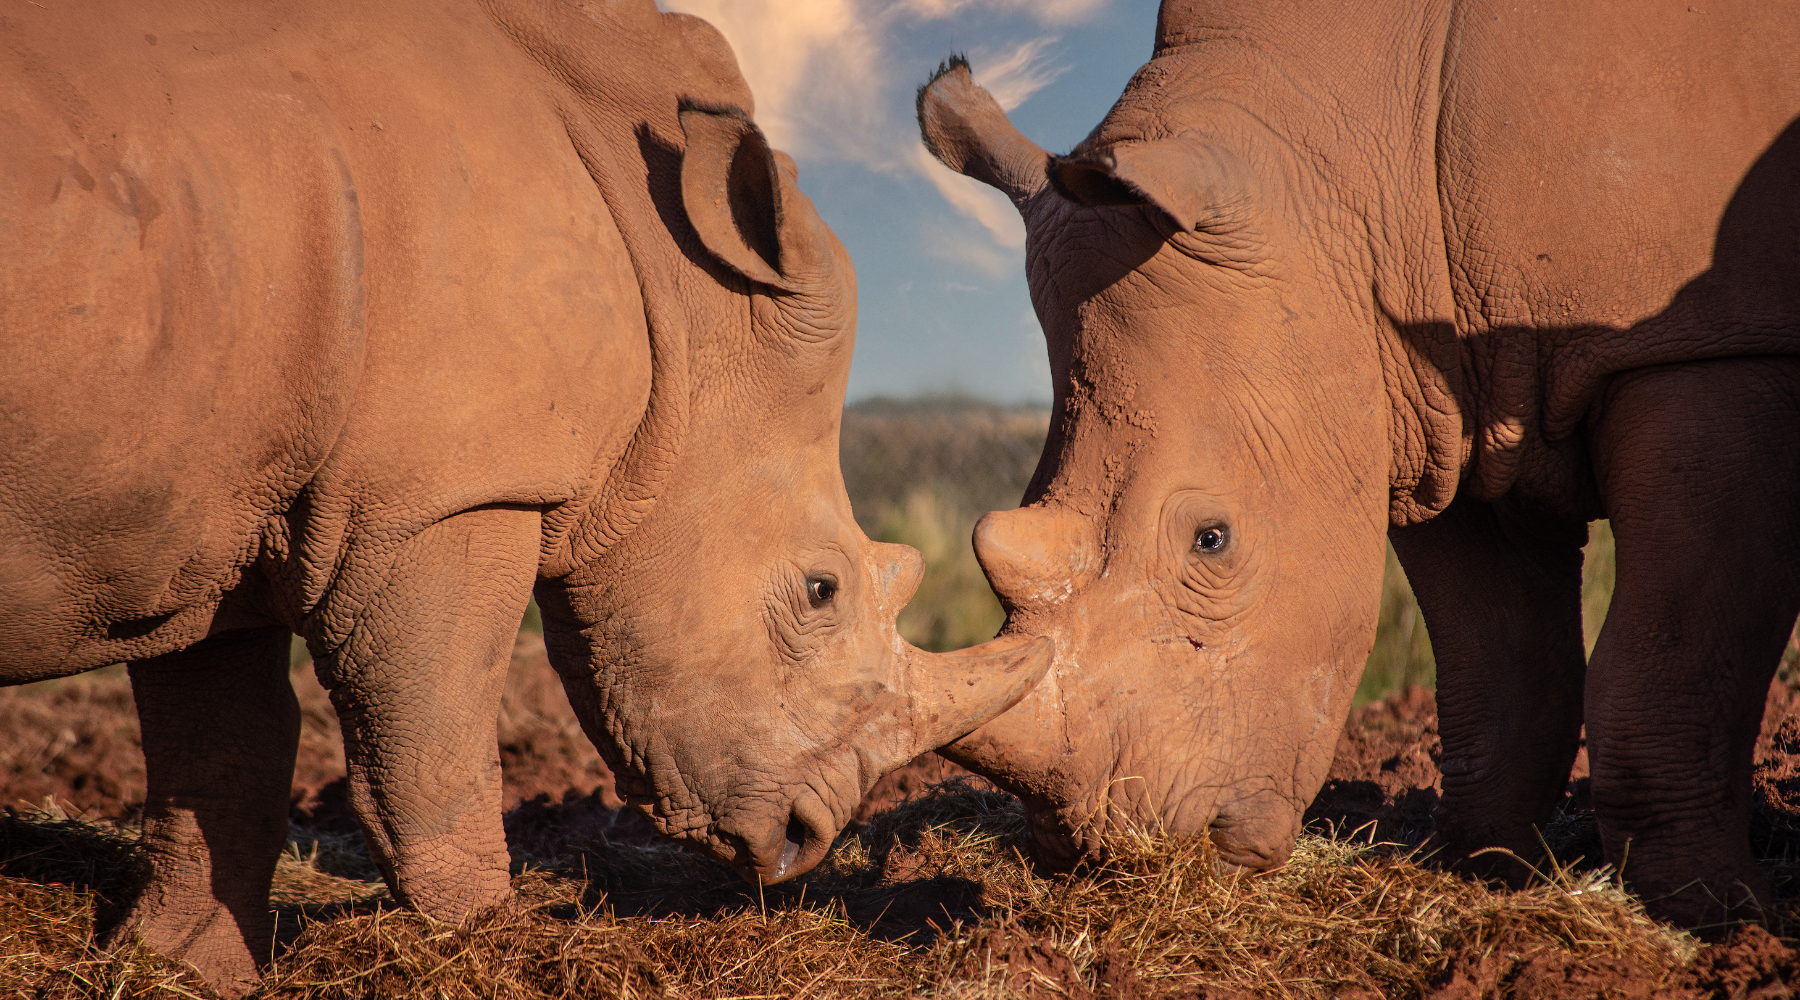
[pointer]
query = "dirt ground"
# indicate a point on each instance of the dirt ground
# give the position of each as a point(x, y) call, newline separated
point(71, 746)
point(74, 742)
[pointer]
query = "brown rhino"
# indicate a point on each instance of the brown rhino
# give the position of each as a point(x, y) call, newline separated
point(363, 320)
point(1467, 274)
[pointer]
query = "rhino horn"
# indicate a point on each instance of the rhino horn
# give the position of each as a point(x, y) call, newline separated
point(965, 128)
point(954, 694)
point(1036, 556)
point(898, 570)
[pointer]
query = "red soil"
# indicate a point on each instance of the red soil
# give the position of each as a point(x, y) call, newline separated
point(1033, 969)
point(1385, 771)
point(75, 741)
point(1752, 963)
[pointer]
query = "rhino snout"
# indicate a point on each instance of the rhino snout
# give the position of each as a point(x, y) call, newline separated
point(784, 848)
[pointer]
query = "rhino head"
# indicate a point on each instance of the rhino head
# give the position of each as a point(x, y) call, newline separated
point(724, 630)
point(1204, 534)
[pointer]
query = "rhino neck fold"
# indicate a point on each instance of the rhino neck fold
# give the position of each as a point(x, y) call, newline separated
point(634, 484)
point(631, 488)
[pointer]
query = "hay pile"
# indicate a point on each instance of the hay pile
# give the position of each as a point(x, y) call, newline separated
point(932, 899)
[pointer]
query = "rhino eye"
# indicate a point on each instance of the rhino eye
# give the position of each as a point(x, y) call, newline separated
point(1210, 539)
point(821, 589)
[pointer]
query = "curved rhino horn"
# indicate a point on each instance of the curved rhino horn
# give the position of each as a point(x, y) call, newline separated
point(954, 694)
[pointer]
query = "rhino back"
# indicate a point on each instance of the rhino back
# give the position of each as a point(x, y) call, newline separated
point(1619, 188)
point(287, 284)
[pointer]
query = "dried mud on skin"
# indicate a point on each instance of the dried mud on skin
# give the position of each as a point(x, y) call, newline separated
point(928, 894)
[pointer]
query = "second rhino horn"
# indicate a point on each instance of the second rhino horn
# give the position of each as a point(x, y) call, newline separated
point(1036, 556)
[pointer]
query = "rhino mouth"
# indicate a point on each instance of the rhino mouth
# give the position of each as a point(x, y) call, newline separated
point(793, 840)
point(781, 852)
point(797, 849)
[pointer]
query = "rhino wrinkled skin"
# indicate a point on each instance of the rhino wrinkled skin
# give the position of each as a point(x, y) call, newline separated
point(1466, 274)
point(362, 321)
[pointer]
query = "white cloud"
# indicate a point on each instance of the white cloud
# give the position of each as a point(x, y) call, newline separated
point(784, 47)
point(951, 241)
point(1014, 77)
point(824, 78)
point(973, 199)
point(1046, 11)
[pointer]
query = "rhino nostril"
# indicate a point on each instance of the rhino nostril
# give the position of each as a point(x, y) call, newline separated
point(790, 851)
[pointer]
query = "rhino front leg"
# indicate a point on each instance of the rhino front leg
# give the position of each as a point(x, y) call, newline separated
point(220, 727)
point(417, 689)
point(1699, 465)
point(1502, 598)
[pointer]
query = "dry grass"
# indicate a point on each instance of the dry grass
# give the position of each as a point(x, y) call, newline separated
point(933, 899)
point(55, 874)
point(1338, 916)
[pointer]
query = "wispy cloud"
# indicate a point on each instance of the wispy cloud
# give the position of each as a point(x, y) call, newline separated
point(1046, 11)
point(824, 75)
point(1015, 76)
point(785, 48)
point(946, 240)
point(972, 199)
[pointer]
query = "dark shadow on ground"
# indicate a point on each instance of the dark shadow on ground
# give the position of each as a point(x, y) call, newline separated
point(894, 877)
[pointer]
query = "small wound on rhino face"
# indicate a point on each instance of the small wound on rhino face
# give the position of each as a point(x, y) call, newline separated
point(1195, 642)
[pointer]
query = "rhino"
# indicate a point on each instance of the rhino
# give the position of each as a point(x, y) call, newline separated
point(1464, 275)
point(367, 322)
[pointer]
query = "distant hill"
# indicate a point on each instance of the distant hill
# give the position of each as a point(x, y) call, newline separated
point(975, 455)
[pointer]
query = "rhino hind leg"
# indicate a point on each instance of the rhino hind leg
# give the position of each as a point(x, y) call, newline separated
point(1698, 464)
point(1502, 598)
point(417, 689)
point(220, 729)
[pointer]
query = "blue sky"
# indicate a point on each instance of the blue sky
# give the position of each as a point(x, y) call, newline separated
point(940, 258)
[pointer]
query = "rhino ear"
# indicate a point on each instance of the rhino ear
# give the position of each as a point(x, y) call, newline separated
point(1188, 178)
point(965, 128)
point(736, 199)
